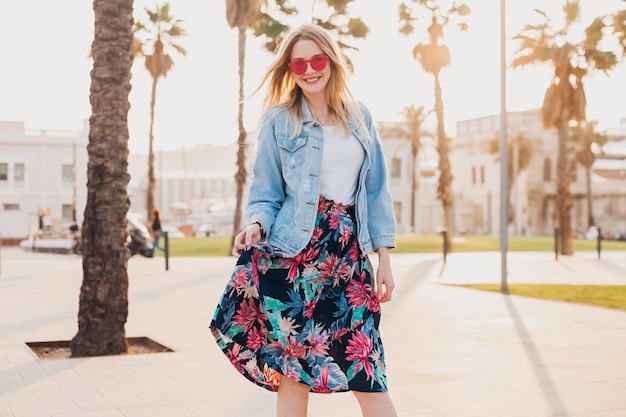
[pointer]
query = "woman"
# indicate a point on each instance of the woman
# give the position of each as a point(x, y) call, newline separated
point(301, 311)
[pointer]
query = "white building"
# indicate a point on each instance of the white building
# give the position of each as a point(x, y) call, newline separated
point(37, 172)
point(476, 183)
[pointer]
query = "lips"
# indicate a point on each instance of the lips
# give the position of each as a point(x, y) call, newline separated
point(311, 80)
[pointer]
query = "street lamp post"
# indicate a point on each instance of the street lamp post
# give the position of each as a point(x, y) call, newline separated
point(503, 151)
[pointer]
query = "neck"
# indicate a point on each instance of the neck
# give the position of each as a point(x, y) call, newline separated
point(321, 111)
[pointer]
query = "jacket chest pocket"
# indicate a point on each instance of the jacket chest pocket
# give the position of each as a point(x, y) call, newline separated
point(292, 151)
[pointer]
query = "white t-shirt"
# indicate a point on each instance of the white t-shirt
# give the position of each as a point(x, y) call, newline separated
point(342, 158)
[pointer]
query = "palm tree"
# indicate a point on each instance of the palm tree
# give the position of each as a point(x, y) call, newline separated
point(103, 305)
point(564, 100)
point(412, 130)
point(241, 14)
point(520, 153)
point(585, 135)
point(332, 15)
point(433, 57)
point(162, 32)
point(619, 27)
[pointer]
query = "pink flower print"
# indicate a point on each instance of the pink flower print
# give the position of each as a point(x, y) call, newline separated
point(334, 222)
point(345, 234)
point(309, 306)
point(317, 233)
point(255, 339)
point(358, 292)
point(249, 313)
point(359, 348)
point(300, 259)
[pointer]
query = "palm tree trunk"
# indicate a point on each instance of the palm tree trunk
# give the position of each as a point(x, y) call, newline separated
point(444, 186)
point(241, 175)
point(151, 179)
point(563, 193)
point(413, 184)
point(590, 220)
point(103, 304)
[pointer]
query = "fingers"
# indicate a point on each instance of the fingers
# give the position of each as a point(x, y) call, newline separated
point(245, 239)
point(384, 290)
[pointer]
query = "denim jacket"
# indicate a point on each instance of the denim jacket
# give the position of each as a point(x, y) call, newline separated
point(285, 188)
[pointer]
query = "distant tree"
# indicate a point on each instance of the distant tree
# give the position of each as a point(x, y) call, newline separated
point(564, 100)
point(434, 56)
point(332, 15)
point(413, 131)
point(103, 305)
point(619, 28)
point(521, 145)
point(162, 32)
point(584, 136)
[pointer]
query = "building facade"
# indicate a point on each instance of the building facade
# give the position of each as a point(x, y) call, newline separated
point(42, 179)
point(476, 184)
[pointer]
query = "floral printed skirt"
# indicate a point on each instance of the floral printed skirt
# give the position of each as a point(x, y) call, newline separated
point(311, 317)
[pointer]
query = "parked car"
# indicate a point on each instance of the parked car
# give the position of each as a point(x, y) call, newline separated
point(204, 230)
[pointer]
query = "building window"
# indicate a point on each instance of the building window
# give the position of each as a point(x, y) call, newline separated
point(4, 171)
point(482, 174)
point(66, 212)
point(473, 175)
point(19, 172)
point(573, 170)
point(547, 169)
point(10, 206)
point(395, 167)
point(67, 173)
point(397, 207)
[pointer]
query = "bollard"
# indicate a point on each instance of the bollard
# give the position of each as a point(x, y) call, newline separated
point(167, 251)
point(556, 243)
point(599, 241)
point(444, 234)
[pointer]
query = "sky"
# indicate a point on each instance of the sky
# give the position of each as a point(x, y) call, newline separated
point(44, 70)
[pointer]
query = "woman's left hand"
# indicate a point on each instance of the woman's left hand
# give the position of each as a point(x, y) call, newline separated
point(384, 278)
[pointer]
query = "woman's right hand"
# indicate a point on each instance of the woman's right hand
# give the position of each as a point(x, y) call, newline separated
point(247, 237)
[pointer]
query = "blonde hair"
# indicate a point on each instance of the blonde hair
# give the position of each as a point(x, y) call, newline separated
point(282, 89)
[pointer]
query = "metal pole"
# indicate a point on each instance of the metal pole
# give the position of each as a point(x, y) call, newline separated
point(167, 251)
point(504, 206)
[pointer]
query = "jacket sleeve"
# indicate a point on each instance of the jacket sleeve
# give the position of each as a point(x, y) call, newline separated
point(381, 216)
point(267, 189)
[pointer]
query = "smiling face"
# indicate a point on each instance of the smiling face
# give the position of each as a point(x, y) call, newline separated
point(313, 83)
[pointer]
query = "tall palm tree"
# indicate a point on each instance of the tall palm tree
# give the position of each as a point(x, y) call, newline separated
point(241, 15)
point(434, 56)
point(584, 136)
point(520, 151)
point(564, 100)
point(162, 32)
point(103, 305)
point(413, 131)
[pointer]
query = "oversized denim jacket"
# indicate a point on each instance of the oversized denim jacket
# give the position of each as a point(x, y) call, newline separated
point(285, 188)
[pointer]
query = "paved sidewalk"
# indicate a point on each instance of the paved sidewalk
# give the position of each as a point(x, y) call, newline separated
point(450, 351)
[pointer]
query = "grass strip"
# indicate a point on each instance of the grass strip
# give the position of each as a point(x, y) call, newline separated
point(607, 296)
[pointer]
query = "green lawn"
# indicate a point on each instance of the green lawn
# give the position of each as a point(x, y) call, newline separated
point(220, 246)
point(597, 295)
point(608, 296)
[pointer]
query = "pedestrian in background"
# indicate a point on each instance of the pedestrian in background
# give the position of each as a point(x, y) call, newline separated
point(155, 230)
